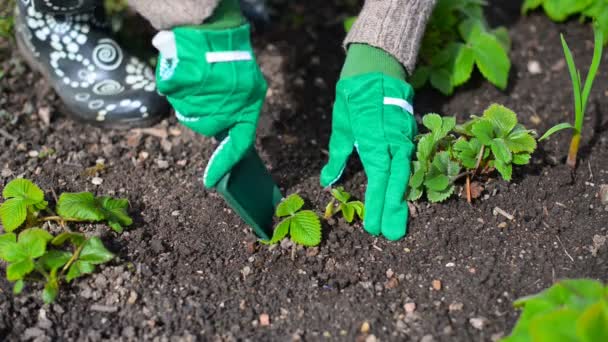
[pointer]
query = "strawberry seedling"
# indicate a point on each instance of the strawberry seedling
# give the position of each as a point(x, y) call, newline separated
point(581, 96)
point(34, 254)
point(303, 226)
point(494, 141)
point(340, 204)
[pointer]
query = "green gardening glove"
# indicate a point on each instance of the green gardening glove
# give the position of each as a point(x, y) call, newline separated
point(373, 113)
point(216, 87)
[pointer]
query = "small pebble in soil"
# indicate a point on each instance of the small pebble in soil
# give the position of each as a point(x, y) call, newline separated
point(427, 338)
point(409, 307)
point(132, 298)
point(450, 264)
point(364, 328)
point(264, 320)
point(502, 225)
point(97, 180)
point(604, 194)
point(534, 67)
point(456, 306)
point(477, 322)
point(437, 284)
point(389, 273)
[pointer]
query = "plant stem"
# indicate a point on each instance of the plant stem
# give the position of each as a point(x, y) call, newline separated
point(480, 157)
point(573, 152)
point(74, 257)
point(468, 187)
point(59, 219)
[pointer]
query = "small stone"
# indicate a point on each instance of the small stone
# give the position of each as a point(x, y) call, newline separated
point(286, 244)
point(128, 332)
point(251, 247)
point(502, 225)
point(450, 264)
point(246, 271)
point(31, 333)
point(436, 284)
point(456, 306)
point(390, 273)
point(103, 308)
point(392, 283)
point(132, 298)
point(534, 67)
point(312, 252)
point(604, 194)
point(264, 320)
point(175, 213)
point(97, 180)
point(33, 154)
point(427, 338)
point(162, 164)
point(143, 155)
point(364, 328)
point(410, 307)
point(371, 338)
point(477, 322)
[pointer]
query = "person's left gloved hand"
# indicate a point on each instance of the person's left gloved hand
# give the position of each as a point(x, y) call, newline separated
point(373, 113)
point(212, 80)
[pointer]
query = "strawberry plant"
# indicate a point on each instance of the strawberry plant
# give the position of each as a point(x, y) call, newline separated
point(303, 226)
point(340, 204)
point(458, 39)
point(449, 152)
point(34, 254)
point(559, 10)
point(571, 310)
point(581, 95)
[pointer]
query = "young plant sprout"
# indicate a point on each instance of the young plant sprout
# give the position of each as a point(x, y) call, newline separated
point(34, 254)
point(303, 226)
point(340, 203)
point(581, 95)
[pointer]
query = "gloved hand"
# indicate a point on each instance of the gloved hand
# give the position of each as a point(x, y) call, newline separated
point(211, 78)
point(373, 113)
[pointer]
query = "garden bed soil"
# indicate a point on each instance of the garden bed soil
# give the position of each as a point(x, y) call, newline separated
point(189, 269)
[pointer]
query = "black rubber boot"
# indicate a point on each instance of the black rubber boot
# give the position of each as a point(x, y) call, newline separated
point(69, 42)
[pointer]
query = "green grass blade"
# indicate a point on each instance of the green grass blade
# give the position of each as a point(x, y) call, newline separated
point(576, 84)
point(595, 64)
point(556, 129)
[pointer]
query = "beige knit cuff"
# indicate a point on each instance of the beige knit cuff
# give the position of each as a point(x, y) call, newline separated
point(166, 14)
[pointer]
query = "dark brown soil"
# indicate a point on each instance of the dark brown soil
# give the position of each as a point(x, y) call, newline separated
point(186, 271)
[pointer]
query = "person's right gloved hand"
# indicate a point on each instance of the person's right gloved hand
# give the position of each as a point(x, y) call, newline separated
point(216, 87)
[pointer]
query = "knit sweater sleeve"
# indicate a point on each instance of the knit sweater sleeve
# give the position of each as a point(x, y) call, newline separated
point(396, 26)
point(166, 14)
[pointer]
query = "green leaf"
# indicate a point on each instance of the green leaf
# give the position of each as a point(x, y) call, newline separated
point(340, 194)
point(54, 259)
point(95, 252)
point(8, 240)
point(502, 35)
point(502, 119)
point(441, 79)
point(436, 181)
point(501, 151)
point(554, 326)
point(556, 129)
point(280, 232)
point(348, 23)
point(17, 270)
point(359, 208)
point(23, 189)
point(491, 59)
point(592, 325)
point(440, 196)
point(329, 209)
point(520, 140)
point(79, 206)
point(414, 194)
point(306, 228)
point(348, 212)
point(420, 77)
point(78, 269)
point(34, 241)
point(115, 212)
point(530, 5)
point(484, 131)
point(560, 10)
point(432, 121)
point(470, 28)
point(418, 177)
point(290, 205)
point(13, 213)
point(505, 170)
point(521, 158)
point(18, 287)
point(51, 289)
point(463, 66)
point(425, 149)
point(468, 151)
point(76, 239)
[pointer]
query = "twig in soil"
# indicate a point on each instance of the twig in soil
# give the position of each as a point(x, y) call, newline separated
point(590, 172)
point(468, 187)
point(565, 251)
point(7, 135)
point(497, 210)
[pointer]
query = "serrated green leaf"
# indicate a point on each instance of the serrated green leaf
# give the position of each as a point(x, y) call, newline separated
point(414, 194)
point(419, 171)
point(7, 240)
point(359, 208)
point(440, 196)
point(468, 151)
point(520, 141)
point(18, 286)
point(436, 181)
point(483, 131)
point(470, 28)
point(463, 66)
point(290, 205)
point(95, 252)
point(521, 159)
point(445, 57)
point(491, 59)
point(76, 239)
point(115, 212)
point(341, 195)
point(425, 148)
point(24, 189)
point(17, 270)
point(79, 206)
point(306, 228)
point(13, 213)
point(501, 151)
point(432, 121)
point(348, 212)
point(280, 232)
point(441, 79)
point(78, 269)
point(420, 77)
point(51, 289)
point(505, 170)
point(34, 241)
point(54, 259)
point(560, 10)
point(503, 119)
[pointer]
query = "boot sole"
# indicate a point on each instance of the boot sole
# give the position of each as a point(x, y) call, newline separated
point(38, 67)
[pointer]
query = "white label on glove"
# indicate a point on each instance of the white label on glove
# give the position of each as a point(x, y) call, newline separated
point(393, 101)
point(228, 56)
